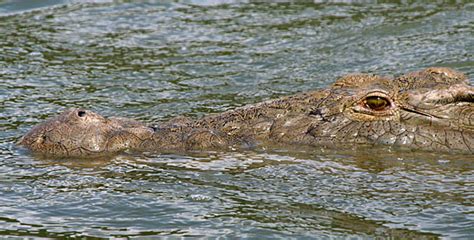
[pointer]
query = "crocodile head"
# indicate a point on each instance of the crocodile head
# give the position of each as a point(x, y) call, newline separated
point(431, 109)
point(80, 132)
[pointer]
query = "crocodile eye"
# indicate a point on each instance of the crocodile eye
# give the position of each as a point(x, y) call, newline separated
point(81, 113)
point(376, 103)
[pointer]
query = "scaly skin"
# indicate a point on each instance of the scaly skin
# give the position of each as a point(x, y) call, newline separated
point(431, 109)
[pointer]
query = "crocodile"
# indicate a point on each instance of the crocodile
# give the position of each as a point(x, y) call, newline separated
point(431, 109)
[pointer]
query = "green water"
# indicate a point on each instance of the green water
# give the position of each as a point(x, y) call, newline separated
point(155, 61)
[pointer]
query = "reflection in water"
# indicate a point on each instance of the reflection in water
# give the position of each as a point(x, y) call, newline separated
point(155, 61)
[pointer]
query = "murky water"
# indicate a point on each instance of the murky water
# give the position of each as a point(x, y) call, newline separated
point(155, 61)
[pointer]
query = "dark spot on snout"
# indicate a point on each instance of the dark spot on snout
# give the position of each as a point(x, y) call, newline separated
point(81, 113)
point(319, 114)
point(316, 112)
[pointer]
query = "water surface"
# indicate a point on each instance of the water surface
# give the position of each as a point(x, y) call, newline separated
point(155, 61)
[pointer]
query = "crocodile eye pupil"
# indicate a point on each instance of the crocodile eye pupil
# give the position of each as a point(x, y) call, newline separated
point(81, 113)
point(376, 103)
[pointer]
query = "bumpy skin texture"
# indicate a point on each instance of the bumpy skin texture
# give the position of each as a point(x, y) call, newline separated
point(431, 109)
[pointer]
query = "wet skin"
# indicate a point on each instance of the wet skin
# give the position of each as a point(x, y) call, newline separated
point(432, 109)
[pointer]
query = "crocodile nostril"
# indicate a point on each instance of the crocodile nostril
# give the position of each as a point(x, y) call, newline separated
point(81, 113)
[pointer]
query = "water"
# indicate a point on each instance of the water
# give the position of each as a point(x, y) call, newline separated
point(153, 61)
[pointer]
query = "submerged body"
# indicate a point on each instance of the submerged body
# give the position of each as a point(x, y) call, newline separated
point(431, 109)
